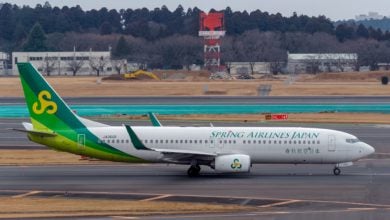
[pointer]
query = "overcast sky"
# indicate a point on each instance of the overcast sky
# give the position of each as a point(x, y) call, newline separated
point(334, 9)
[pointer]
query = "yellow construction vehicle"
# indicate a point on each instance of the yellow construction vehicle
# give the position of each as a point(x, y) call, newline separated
point(137, 73)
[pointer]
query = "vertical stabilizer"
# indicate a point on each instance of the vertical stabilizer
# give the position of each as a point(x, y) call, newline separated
point(47, 109)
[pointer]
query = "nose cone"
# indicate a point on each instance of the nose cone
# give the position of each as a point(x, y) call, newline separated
point(368, 150)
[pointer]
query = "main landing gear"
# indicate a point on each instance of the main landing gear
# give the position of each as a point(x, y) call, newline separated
point(336, 171)
point(193, 170)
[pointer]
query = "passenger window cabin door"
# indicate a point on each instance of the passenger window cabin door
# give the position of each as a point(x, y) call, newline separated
point(81, 141)
point(212, 143)
point(216, 143)
point(219, 143)
point(331, 143)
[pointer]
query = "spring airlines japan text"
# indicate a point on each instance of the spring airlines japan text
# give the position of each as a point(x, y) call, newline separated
point(293, 135)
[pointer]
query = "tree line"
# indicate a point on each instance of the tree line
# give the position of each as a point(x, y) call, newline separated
point(16, 21)
point(383, 24)
point(168, 39)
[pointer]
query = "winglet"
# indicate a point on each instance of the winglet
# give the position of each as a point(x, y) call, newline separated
point(135, 140)
point(155, 121)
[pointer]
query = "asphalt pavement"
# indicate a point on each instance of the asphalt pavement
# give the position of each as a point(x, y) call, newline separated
point(276, 191)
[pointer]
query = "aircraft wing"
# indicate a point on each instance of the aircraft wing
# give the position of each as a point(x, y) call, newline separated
point(180, 151)
point(171, 155)
point(184, 156)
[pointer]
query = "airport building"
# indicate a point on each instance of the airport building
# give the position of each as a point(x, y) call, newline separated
point(4, 67)
point(237, 68)
point(66, 63)
point(321, 62)
point(369, 16)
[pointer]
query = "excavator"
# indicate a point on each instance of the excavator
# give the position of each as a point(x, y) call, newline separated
point(137, 73)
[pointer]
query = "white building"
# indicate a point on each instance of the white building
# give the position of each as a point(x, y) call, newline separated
point(237, 68)
point(369, 16)
point(66, 63)
point(4, 57)
point(321, 62)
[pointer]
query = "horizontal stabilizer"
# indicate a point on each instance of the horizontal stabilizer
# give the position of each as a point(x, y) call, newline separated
point(40, 133)
point(28, 128)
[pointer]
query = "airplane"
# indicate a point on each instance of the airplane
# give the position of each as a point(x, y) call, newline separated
point(224, 149)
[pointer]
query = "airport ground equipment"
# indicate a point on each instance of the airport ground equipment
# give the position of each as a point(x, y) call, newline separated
point(136, 74)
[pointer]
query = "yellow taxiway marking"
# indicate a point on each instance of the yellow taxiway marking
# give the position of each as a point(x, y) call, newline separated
point(26, 194)
point(372, 205)
point(123, 217)
point(155, 198)
point(362, 209)
point(279, 203)
point(257, 215)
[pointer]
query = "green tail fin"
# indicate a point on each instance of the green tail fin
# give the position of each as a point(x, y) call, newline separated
point(47, 110)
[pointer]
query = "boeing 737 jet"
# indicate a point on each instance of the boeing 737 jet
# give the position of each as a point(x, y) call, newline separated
point(225, 149)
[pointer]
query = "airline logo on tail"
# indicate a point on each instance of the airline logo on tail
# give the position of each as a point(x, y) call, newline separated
point(44, 104)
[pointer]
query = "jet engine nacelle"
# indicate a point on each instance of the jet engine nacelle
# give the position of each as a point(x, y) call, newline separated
point(234, 163)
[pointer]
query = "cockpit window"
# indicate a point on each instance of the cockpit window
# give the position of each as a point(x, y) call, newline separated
point(352, 140)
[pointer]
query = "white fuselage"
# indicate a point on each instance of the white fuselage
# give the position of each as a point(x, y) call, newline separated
point(263, 144)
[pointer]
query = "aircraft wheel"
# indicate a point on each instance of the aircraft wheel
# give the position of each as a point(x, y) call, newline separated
point(336, 171)
point(197, 167)
point(193, 171)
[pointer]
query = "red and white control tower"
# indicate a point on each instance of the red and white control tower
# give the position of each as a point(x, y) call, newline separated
point(212, 29)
